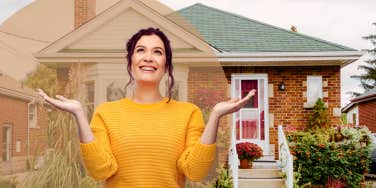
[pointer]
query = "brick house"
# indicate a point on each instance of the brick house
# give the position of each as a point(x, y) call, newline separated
point(214, 50)
point(362, 110)
point(23, 123)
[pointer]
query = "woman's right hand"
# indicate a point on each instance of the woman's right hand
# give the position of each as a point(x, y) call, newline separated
point(74, 107)
point(62, 103)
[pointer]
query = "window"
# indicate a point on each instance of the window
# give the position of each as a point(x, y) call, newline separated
point(89, 87)
point(246, 87)
point(354, 119)
point(314, 89)
point(32, 109)
point(7, 142)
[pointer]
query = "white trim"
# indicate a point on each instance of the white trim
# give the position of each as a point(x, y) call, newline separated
point(296, 58)
point(8, 140)
point(291, 54)
point(349, 114)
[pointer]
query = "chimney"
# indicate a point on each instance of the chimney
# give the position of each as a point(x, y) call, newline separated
point(293, 28)
point(84, 10)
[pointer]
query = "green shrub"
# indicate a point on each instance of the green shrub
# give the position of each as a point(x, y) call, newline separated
point(320, 158)
point(319, 118)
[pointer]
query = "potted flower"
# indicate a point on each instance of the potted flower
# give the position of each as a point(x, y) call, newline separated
point(248, 152)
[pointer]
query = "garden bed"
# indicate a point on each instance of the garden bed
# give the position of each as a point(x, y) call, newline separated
point(337, 156)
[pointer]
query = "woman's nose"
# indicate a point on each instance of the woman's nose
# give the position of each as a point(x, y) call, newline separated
point(148, 57)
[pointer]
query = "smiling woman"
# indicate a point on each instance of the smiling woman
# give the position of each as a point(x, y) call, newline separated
point(148, 140)
point(149, 52)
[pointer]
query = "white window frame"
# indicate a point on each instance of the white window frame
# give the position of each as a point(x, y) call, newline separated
point(310, 101)
point(33, 123)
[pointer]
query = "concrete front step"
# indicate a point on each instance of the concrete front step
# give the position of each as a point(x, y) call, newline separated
point(261, 183)
point(259, 173)
point(267, 158)
point(264, 174)
point(265, 164)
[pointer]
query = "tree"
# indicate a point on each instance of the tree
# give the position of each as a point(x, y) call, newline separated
point(44, 78)
point(368, 79)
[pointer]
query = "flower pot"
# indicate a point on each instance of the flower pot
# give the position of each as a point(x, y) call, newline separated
point(244, 164)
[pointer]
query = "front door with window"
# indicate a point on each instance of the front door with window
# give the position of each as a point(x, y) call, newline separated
point(250, 123)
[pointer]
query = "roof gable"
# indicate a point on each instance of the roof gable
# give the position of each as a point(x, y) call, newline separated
point(229, 32)
point(109, 31)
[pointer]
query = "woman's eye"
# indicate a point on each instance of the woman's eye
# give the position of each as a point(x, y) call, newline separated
point(139, 50)
point(158, 52)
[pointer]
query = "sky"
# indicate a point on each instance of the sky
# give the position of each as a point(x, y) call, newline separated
point(339, 21)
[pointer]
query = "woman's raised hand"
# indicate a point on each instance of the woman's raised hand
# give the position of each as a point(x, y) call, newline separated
point(62, 103)
point(74, 107)
point(232, 105)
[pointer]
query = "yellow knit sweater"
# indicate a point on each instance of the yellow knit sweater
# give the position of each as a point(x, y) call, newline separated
point(147, 145)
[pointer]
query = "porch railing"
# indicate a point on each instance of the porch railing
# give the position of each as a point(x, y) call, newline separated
point(285, 158)
point(233, 160)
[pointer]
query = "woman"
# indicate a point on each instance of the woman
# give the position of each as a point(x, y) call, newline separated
point(147, 140)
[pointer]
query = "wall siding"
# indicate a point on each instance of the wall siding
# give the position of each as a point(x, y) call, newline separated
point(367, 114)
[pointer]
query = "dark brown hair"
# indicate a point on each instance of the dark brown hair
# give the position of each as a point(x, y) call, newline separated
point(168, 52)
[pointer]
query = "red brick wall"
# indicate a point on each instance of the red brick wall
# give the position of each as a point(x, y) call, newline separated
point(39, 135)
point(367, 114)
point(212, 78)
point(15, 112)
point(287, 106)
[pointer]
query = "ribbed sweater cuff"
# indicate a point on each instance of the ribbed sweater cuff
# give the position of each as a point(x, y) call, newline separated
point(90, 149)
point(204, 152)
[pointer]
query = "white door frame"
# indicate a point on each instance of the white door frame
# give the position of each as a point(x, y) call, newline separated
point(245, 76)
point(7, 137)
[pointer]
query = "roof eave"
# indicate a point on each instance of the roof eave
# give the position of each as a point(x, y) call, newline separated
point(364, 98)
point(342, 58)
point(17, 94)
point(358, 100)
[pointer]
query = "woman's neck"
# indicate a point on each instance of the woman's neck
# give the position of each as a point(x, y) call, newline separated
point(146, 94)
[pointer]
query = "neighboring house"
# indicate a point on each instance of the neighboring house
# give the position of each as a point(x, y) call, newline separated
point(23, 126)
point(362, 110)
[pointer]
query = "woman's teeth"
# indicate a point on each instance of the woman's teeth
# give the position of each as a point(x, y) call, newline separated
point(148, 68)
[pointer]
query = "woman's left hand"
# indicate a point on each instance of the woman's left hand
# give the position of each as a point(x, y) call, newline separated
point(232, 105)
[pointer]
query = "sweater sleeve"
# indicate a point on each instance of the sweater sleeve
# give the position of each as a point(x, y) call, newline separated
point(97, 155)
point(197, 157)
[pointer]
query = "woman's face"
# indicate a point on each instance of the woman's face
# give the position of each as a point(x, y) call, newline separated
point(148, 60)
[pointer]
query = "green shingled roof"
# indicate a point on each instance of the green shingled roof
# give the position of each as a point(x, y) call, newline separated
point(230, 32)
